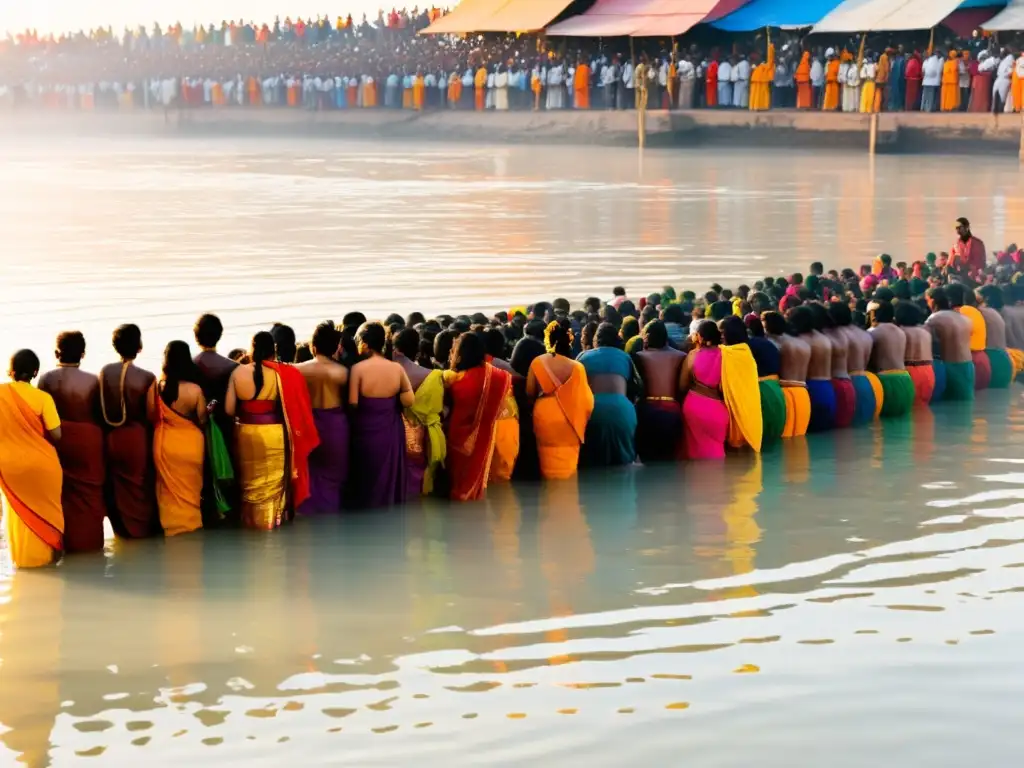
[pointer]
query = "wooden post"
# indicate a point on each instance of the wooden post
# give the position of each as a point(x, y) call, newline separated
point(873, 134)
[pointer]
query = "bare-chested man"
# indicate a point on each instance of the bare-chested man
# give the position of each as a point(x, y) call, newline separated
point(123, 395)
point(77, 397)
point(214, 369)
point(887, 361)
point(659, 428)
point(842, 384)
point(866, 386)
point(990, 301)
point(425, 447)
point(378, 390)
point(796, 358)
point(953, 332)
point(327, 382)
point(809, 324)
point(768, 360)
point(918, 354)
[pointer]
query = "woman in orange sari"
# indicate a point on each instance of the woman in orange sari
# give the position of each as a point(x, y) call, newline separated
point(177, 409)
point(30, 473)
point(477, 391)
point(804, 92)
point(564, 403)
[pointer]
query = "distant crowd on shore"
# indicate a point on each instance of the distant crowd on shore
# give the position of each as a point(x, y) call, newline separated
point(318, 64)
point(371, 414)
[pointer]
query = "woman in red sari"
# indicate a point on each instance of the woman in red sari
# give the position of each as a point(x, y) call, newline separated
point(477, 392)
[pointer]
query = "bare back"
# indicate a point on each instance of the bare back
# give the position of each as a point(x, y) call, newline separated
point(820, 366)
point(919, 344)
point(889, 350)
point(954, 333)
point(75, 393)
point(378, 377)
point(1013, 318)
point(326, 380)
point(190, 403)
point(133, 394)
point(840, 353)
point(995, 328)
point(659, 369)
point(859, 349)
point(795, 356)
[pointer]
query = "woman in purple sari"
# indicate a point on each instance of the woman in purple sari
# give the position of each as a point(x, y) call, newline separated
point(378, 391)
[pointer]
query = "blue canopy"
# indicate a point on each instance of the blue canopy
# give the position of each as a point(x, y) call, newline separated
point(776, 13)
point(981, 4)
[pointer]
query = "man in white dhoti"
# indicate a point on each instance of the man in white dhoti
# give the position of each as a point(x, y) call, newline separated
point(741, 83)
point(556, 91)
point(626, 99)
point(501, 89)
point(851, 88)
point(725, 83)
point(687, 83)
point(931, 83)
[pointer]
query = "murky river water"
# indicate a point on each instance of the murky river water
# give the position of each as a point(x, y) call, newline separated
point(852, 599)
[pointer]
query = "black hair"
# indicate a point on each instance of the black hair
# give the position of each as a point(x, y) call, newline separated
point(262, 350)
point(407, 342)
point(394, 319)
point(326, 339)
point(443, 343)
point(754, 326)
point(535, 329)
point(128, 341)
point(618, 291)
point(541, 309)
point(822, 319)
point(655, 335)
point(743, 291)
point(774, 323)
point(610, 314)
point(284, 342)
point(592, 304)
point(734, 331)
point(587, 335)
point(303, 353)
point(468, 352)
point(353, 320)
point(178, 367)
point(627, 309)
point(840, 313)
point(70, 347)
point(907, 314)
point(208, 331)
point(759, 301)
point(992, 296)
point(414, 318)
point(373, 336)
point(673, 313)
point(883, 313)
point(561, 305)
point(24, 365)
point(478, 318)
point(817, 268)
point(800, 320)
point(607, 336)
point(940, 296)
point(709, 332)
point(720, 310)
point(494, 341)
point(886, 259)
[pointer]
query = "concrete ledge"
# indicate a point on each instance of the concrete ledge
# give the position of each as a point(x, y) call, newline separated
point(901, 132)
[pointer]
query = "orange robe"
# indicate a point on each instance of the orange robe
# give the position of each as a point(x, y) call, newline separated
point(293, 95)
point(31, 480)
point(370, 95)
point(217, 95)
point(417, 93)
point(831, 100)
point(480, 83)
point(1017, 89)
point(560, 418)
point(950, 94)
point(254, 92)
point(581, 86)
point(536, 86)
point(352, 94)
point(882, 75)
point(804, 92)
point(178, 449)
point(454, 90)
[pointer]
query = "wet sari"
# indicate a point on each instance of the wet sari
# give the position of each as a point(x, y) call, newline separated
point(328, 464)
point(378, 452)
point(742, 395)
point(705, 416)
point(425, 447)
point(178, 450)
point(478, 397)
point(560, 418)
point(261, 453)
point(610, 438)
point(30, 479)
point(82, 458)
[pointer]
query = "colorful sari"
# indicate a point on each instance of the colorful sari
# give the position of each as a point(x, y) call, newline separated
point(300, 428)
point(823, 405)
point(85, 504)
point(979, 332)
point(864, 410)
point(506, 441)
point(742, 394)
point(328, 464)
point(31, 479)
point(922, 373)
point(899, 393)
point(560, 418)
point(478, 399)
point(178, 450)
point(424, 436)
point(959, 381)
point(610, 438)
point(378, 452)
point(261, 452)
point(706, 419)
point(1001, 367)
point(798, 408)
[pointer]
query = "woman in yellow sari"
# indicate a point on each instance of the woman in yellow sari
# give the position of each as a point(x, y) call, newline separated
point(563, 406)
point(740, 388)
point(425, 447)
point(30, 473)
point(177, 410)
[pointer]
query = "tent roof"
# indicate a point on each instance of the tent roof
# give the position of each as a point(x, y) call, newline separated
point(1010, 20)
point(465, 17)
point(724, 8)
point(614, 18)
point(963, 20)
point(886, 15)
point(498, 16)
point(791, 14)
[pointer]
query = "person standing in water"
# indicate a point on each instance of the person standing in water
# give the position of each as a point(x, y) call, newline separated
point(611, 431)
point(809, 326)
point(378, 391)
point(842, 384)
point(76, 395)
point(124, 388)
point(30, 472)
point(327, 382)
point(659, 430)
point(866, 386)
point(990, 301)
point(795, 356)
point(214, 374)
point(953, 332)
point(918, 354)
point(887, 359)
point(425, 447)
point(961, 299)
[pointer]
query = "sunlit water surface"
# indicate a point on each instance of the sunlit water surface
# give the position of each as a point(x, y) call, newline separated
point(851, 599)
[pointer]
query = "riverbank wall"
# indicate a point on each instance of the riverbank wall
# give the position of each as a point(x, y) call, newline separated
point(906, 132)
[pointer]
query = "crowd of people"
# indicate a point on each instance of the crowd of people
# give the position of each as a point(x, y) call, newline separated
point(373, 414)
point(324, 65)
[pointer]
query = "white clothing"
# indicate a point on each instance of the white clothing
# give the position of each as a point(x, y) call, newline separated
point(725, 72)
point(467, 79)
point(501, 91)
point(663, 74)
point(932, 72)
point(817, 73)
point(627, 75)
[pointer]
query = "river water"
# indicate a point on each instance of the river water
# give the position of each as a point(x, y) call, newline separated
point(850, 599)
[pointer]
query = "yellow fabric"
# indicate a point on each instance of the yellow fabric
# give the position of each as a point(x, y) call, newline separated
point(178, 450)
point(426, 412)
point(950, 93)
point(876, 386)
point(560, 419)
point(831, 100)
point(417, 93)
point(798, 410)
point(978, 331)
point(742, 395)
point(260, 453)
point(40, 402)
point(506, 442)
point(867, 97)
point(760, 83)
point(1017, 358)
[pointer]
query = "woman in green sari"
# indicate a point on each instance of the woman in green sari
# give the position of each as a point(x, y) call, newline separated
point(425, 447)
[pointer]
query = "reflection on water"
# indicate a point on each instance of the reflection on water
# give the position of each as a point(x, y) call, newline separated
point(849, 599)
point(155, 232)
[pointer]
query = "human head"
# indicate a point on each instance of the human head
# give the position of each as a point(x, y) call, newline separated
point(820, 316)
point(708, 334)
point(535, 329)
point(371, 338)
point(407, 343)
point(326, 339)
point(587, 335)
point(443, 343)
point(607, 336)
point(774, 323)
point(801, 321)
point(468, 352)
point(759, 302)
point(618, 291)
point(414, 318)
point(627, 309)
point(817, 268)
point(883, 313)
point(128, 341)
point(208, 330)
point(840, 314)
point(610, 314)
point(673, 313)
point(558, 338)
point(591, 304)
point(956, 294)
point(655, 335)
point(907, 314)
point(541, 310)
point(720, 310)
point(284, 342)
point(733, 331)
point(630, 328)
point(70, 348)
point(991, 296)
point(178, 365)
point(24, 365)
point(351, 322)
point(754, 326)
point(262, 348)
point(561, 305)
point(494, 341)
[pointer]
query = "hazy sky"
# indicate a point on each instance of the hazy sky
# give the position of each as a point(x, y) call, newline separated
point(64, 15)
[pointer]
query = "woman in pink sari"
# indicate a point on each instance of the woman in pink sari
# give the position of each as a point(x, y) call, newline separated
point(705, 416)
